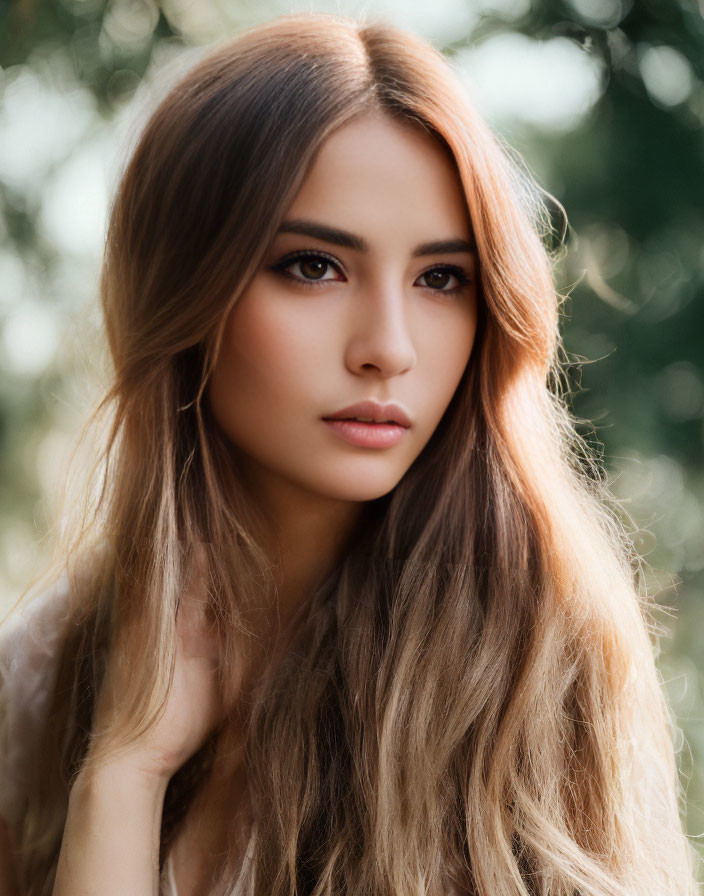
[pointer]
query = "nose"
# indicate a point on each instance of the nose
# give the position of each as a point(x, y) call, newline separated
point(380, 334)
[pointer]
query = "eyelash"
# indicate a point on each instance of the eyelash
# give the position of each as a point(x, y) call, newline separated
point(305, 255)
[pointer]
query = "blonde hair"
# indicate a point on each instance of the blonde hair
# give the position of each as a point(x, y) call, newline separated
point(471, 700)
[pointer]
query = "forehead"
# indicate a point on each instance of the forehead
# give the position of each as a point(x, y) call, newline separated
point(375, 172)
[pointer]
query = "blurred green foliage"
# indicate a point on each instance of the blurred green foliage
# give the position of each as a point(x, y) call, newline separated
point(629, 174)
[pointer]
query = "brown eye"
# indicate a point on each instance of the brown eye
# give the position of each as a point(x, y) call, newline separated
point(309, 268)
point(313, 268)
point(440, 279)
point(437, 279)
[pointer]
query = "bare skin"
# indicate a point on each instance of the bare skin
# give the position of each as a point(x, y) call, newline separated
point(132, 785)
point(375, 328)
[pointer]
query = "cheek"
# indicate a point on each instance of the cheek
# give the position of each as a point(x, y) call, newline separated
point(268, 356)
point(449, 349)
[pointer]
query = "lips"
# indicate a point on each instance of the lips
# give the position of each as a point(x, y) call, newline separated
point(373, 412)
point(367, 435)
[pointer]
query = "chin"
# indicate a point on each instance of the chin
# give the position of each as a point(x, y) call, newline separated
point(361, 489)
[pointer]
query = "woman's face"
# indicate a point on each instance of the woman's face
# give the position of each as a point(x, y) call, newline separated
point(367, 293)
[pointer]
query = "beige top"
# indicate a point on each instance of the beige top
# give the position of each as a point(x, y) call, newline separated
point(29, 642)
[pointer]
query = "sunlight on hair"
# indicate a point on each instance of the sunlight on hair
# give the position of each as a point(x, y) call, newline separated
point(468, 700)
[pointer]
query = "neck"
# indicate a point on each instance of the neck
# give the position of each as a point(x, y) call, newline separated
point(305, 539)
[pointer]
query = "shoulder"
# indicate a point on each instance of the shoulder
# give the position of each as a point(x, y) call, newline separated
point(30, 640)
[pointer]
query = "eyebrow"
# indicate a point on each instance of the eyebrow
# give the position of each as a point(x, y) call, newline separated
point(351, 241)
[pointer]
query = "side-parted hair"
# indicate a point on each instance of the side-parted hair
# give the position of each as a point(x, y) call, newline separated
point(471, 702)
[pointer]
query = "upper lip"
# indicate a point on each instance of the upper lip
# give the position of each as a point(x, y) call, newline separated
point(380, 413)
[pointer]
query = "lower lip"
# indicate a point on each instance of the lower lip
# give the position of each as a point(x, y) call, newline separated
point(368, 435)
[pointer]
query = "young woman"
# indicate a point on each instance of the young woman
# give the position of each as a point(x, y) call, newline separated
point(350, 610)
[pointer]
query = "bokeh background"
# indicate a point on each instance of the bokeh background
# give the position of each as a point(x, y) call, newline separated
point(604, 102)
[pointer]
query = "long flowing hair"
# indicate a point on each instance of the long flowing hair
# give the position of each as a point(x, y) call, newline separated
point(470, 703)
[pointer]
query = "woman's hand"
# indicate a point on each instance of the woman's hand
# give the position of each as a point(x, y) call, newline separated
point(112, 833)
point(194, 703)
